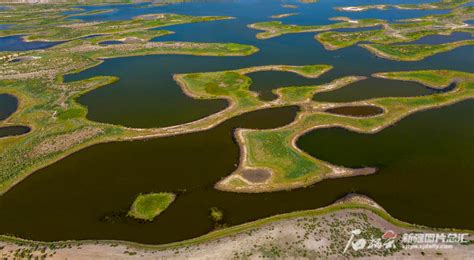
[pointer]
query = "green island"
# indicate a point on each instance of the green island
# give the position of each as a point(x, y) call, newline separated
point(47, 104)
point(48, 23)
point(308, 1)
point(50, 140)
point(289, 6)
point(412, 52)
point(263, 152)
point(440, 5)
point(279, 16)
point(277, 28)
point(149, 206)
point(403, 31)
point(273, 152)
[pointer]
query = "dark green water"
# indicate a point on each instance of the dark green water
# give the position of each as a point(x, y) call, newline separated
point(13, 130)
point(374, 88)
point(264, 82)
point(8, 105)
point(425, 164)
point(421, 179)
point(72, 198)
point(356, 111)
point(146, 95)
point(425, 177)
point(425, 160)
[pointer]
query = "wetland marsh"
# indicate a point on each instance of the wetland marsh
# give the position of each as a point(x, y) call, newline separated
point(87, 194)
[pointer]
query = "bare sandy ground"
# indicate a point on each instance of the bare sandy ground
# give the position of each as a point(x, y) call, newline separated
point(310, 237)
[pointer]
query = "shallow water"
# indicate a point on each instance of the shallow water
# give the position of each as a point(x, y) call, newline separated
point(16, 43)
point(147, 93)
point(440, 39)
point(8, 105)
point(86, 194)
point(96, 191)
point(264, 82)
point(13, 130)
point(107, 188)
point(374, 88)
point(5, 26)
point(356, 111)
point(110, 42)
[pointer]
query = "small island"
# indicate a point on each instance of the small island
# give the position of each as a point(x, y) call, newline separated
point(440, 5)
point(149, 206)
point(279, 16)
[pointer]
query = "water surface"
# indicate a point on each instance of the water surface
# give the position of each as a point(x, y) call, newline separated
point(8, 105)
point(16, 43)
point(421, 180)
point(374, 88)
point(145, 95)
point(264, 82)
point(13, 130)
point(440, 39)
point(98, 184)
point(356, 111)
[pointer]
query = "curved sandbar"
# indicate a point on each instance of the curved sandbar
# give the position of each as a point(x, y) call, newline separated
point(279, 16)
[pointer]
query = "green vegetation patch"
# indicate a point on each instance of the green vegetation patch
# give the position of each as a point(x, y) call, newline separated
point(148, 206)
point(275, 150)
point(440, 5)
point(48, 23)
point(399, 32)
point(413, 52)
point(431, 78)
point(47, 103)
point(276, 28)
point(279, 16)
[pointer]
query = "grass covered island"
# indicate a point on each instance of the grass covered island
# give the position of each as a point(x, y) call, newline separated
point(379, 36)
point(149, 206)
point(47, 103)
